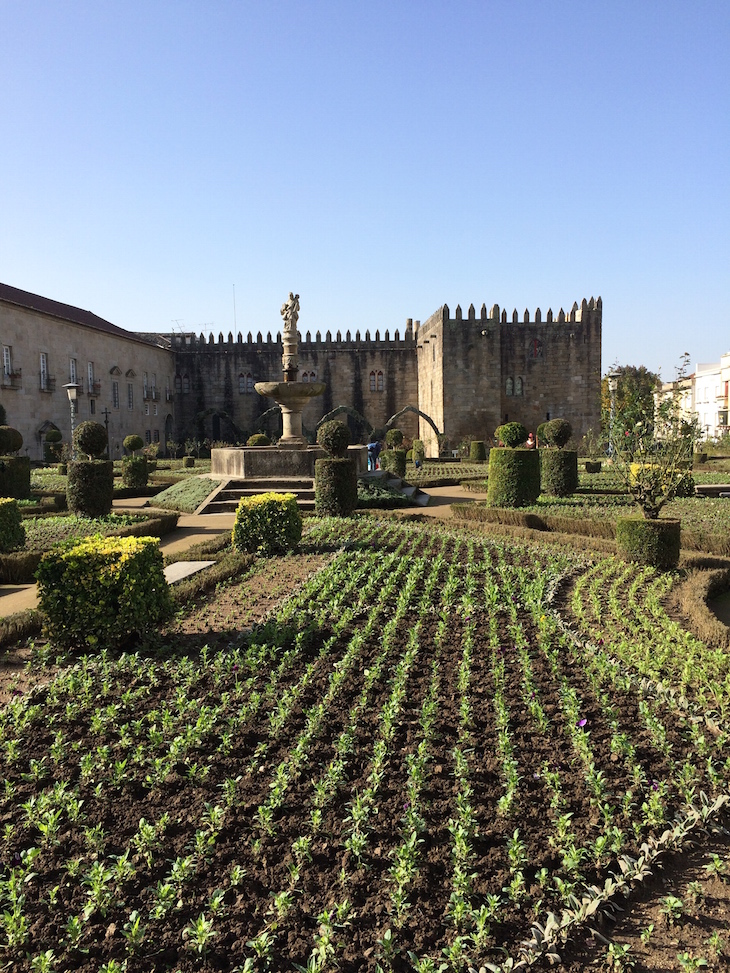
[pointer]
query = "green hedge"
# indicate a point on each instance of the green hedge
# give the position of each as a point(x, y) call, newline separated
point(188, 462)
point(335, 487)
point(394, 461)
point(90, 487)
point(514, 477)
point(651, 542)
point(418, 451)
point(99, 592)
point(12, 532)
point(558, 471)
point(267, 524)
point(15, 477)
point(135, 471)
point(477, 451)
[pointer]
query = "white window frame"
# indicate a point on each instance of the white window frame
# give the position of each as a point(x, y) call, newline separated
point(72, 372)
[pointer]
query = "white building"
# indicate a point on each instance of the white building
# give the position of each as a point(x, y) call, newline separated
point(705, 394)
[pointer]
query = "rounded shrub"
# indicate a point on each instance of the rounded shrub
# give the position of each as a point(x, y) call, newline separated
point(477, 451)
point(511, 434)
point(556, 432)
point(514, 477)
point(334, 437)
point(133, 443)
point(418, 451)
point(258, 439)
point(394, 461)
point(11, 440)
point(335, 487)
point(540, 434)
point(268, 523)
point(90, 438)
point(135, 470)
point(393, 438)
point(558, 471)
point(655, 543)
point(90, 487)
point(51, 445)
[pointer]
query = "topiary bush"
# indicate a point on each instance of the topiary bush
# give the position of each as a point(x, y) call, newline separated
point(12, 532)
point(655, 543)
point(477, 451)
point(558, 471)
point(511, 434)
point(418, 451)
point(556, 432)
point(258, 439)
point(102, 590)
point(269, 523)
point(133, 443)
point(335, 487)
point(90, 438)
point(90, 487)
point(188, 462)
point(135, 471)
point(514, 477)
point(51, 445)
point(393, 438)
point(394, 461)
point(11, 440)
point(540, 434)
point(15, 477)
point(334, 437)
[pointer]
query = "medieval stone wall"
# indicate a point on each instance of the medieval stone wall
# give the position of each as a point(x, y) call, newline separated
point(469, 374)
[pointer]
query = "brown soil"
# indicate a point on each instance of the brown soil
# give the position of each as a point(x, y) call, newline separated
point(206, 633)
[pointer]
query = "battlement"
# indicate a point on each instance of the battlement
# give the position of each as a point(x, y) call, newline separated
point(346, 340)
point(587, 311)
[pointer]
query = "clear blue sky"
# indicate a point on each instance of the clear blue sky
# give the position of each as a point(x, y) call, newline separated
point(380, 158)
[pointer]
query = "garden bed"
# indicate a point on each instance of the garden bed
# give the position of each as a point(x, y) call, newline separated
point(416, 755)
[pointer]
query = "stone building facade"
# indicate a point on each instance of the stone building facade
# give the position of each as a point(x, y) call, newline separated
point(124, 380)
point(466, 373)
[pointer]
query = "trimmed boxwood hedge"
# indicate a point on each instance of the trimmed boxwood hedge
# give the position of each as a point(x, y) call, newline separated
point(134, 471)
point(514, 477)
point(15, 477)
point(394, 461)
point(12, 532)
point(268, 523)
point(651, 542)
point(335, 487)
point(477, 451)
point(90, 487)
point(558, 471)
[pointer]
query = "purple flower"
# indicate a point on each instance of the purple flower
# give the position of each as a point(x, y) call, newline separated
point(582, 722)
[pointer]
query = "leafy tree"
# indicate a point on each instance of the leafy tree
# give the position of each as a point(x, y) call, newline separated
point(653, 445)
point(634, 391)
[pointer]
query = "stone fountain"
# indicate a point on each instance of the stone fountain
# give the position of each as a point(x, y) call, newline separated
point(277, 467)
point(291, 394)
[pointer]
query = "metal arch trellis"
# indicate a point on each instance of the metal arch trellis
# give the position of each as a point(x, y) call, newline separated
point(352, 413)
point(412, 408)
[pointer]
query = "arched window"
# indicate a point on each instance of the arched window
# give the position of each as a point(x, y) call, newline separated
point(518, 385)
point(305, 376)
point(249, 383)
point(372, 381)
point(186, 383)
point(241, 384)
point(178, 384)
point(380, 382)
point(510, 390)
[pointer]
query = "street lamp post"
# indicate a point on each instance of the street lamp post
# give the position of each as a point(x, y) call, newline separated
point(613, 378)
point(106, 413)
point(72, 390)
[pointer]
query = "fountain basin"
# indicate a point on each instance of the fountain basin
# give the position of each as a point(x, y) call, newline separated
point(292, 397)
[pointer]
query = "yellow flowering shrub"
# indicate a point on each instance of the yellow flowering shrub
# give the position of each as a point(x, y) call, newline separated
point(97, 592)
point(267, 523)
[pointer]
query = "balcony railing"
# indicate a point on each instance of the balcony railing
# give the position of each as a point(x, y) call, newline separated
point(169, 395)
point(94, 388)
point(47, 383)
point(13, 380)
point(150, 394)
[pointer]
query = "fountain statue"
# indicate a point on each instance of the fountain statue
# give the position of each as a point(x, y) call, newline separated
point(291, 395)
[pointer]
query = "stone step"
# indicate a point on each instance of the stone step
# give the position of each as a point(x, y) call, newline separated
point(230, 506)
